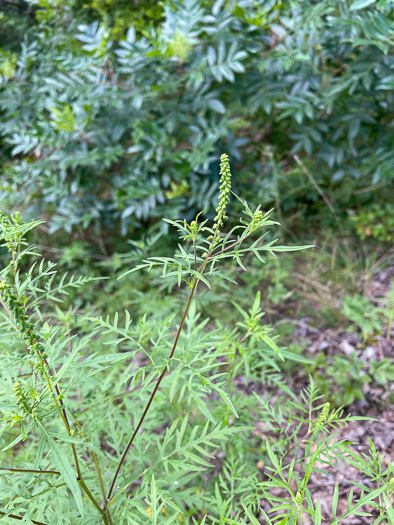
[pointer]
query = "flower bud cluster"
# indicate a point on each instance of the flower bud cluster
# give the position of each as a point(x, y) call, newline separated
point(194, 227)
point(253, 323)
point(225, 188)
point(22, 398)
point(11, 237)
point(21, 320)
point(323, 415)
point(299, 499)
point(390, 487)
point(14, 305)
point(257, 217)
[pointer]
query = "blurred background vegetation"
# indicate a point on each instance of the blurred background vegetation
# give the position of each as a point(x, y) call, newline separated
point(114, 115)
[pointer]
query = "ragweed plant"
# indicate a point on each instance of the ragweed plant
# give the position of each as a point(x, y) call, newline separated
point(201, 265)
point(106, 420)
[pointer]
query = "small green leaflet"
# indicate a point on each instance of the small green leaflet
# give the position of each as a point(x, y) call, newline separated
point(252, 518)
point(317, 517)
point(335, 501)
point(360, 4)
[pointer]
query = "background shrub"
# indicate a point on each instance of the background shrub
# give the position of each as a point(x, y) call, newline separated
point(118, 133)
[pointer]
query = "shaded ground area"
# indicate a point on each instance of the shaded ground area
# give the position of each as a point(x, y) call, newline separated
point(377, 402)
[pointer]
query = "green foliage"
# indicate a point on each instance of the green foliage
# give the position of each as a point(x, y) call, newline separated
point(122, 14)
point(8, 62)
point(16, 21)
point(376, 223)
point(346, 378)
point(76, 385)
point(363, 313)
point(100, 132)
point(382, 371)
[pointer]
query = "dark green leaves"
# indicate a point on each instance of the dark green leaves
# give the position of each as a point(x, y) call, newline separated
point(130, 144)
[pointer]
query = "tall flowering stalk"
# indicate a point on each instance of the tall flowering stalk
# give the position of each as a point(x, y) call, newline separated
point(225, 189)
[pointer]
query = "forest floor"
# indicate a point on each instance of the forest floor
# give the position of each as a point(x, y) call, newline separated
point(376, 405)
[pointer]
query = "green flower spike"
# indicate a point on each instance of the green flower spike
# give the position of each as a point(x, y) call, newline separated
point(299, 500)
point(23, 398)
point(224, 195)
point(21, 320)
point(193, 227)
point(323, 415)
point(257, 217)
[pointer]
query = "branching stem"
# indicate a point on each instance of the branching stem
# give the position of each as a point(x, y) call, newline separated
point(15, 517)
point(55, 472)
point(162, 375)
